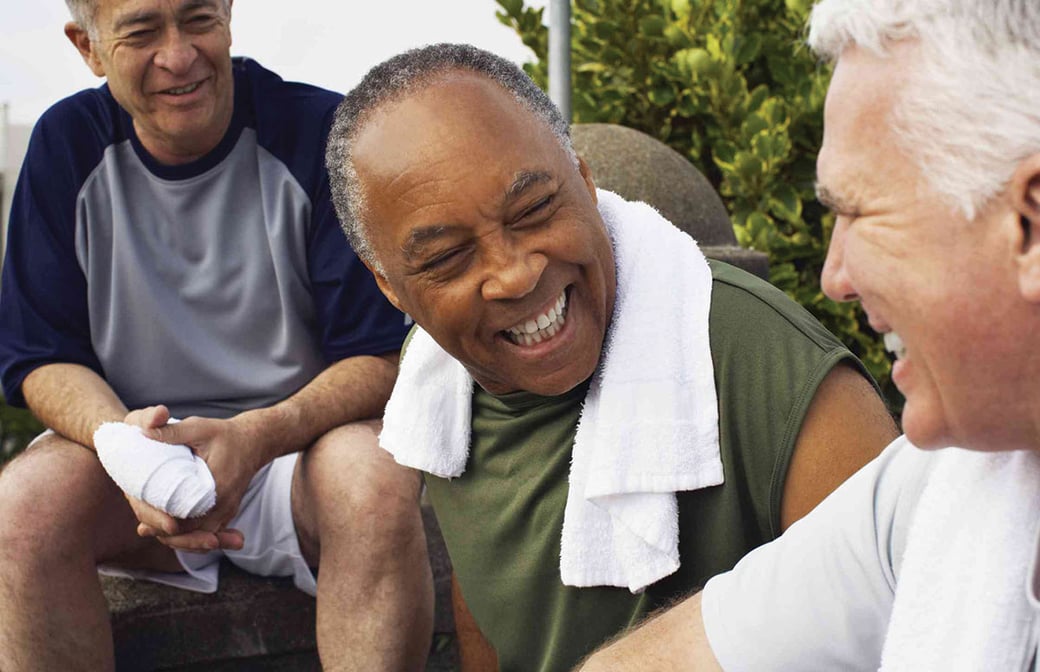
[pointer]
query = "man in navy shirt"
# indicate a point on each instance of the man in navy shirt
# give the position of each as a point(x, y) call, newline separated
point(173, 253)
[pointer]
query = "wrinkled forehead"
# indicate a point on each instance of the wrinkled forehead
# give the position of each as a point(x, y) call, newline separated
point(858, 118)
point(108, 12)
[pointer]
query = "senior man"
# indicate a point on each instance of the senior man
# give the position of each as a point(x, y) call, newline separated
point(172, 242)
point(928, 558)
point(713, 411)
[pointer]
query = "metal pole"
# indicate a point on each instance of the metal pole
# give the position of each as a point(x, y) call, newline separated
point(560, 55)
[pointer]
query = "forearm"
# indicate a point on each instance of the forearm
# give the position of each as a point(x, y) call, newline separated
point(673, 640)
point(72, 400)
point(352, 389)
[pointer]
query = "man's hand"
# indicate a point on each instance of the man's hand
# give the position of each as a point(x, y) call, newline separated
point(232, 459)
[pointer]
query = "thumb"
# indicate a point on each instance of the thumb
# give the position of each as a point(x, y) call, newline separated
point(174, 432)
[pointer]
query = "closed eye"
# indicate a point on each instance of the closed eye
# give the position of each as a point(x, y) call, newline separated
point(538, 208)
point(141, 35)
point(445, 261)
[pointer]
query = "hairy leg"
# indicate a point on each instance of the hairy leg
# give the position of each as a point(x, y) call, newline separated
point(357, 513)
point(60, 515)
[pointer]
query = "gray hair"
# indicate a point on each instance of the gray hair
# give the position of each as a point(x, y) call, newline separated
point(84, 13)
point(400, 76)
point(971, 110)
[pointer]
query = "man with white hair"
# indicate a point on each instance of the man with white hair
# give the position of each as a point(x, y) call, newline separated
point(173, 250)
point(928, 558)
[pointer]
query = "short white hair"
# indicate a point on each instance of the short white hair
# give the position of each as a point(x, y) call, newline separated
point(970, 112)
point(84, 13)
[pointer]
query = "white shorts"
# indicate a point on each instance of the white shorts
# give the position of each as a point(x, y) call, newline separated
point(271, 547)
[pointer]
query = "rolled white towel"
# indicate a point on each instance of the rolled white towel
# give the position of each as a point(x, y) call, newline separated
point(168, 476)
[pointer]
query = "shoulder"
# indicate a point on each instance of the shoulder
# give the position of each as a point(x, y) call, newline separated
point(796, 596)
point(291, 119)
point(745, 304)
point(282, 108)
point(74, 133)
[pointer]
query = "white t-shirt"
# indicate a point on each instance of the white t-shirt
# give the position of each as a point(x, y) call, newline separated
point(821, 596)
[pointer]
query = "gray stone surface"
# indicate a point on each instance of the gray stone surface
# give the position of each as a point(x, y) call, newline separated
point(250, 624)
point(642, 168)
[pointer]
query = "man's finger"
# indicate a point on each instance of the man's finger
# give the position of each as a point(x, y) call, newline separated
point(231, 540)
point(151, 517)
point(185, 432)
point(198, 541)
point(152, 416)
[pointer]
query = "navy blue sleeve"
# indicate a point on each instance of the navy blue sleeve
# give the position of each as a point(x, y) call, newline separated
point(354, 316)
point(43, 300)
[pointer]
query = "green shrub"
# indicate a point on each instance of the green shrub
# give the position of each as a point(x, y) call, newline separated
point(730, 86)
point(17, 429)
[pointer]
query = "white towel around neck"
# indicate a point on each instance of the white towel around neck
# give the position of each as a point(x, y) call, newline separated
point(168, 476)
point(649, 424)
point(962, 596)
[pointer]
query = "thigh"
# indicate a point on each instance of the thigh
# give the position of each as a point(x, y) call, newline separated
point(346, 480)
point(59, 490)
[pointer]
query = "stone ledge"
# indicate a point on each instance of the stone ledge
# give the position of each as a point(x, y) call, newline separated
point(251, 623)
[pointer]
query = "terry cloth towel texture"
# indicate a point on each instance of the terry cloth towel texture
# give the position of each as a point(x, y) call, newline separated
point(167, 476)
point(962, 600)
point(649, 424)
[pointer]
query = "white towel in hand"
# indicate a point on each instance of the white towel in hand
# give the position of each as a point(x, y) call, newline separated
point(167, 476)
point(649, 425)
point(961, 600)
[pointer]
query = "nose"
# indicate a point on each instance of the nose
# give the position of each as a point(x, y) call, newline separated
point(835, 278)
point(176, 53)
point(512, 271)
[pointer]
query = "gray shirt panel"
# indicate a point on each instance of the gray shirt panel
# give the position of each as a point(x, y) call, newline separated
point(198, 289)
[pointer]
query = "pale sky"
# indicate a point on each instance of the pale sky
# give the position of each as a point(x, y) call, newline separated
point(331, 43)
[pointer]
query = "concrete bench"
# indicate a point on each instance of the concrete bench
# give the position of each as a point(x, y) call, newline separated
point(251, 623)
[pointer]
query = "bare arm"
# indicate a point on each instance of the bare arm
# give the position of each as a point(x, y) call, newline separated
point(674, 640)
point(847, 425)
point(235, 449)
point(72, 400)
point(355, 388)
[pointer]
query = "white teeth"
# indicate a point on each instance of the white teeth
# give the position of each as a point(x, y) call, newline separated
point(184, 89)
point(543, 327)
point(894, 344)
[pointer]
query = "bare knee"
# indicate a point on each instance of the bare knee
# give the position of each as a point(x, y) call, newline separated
point(52, 498)
point(357, 494)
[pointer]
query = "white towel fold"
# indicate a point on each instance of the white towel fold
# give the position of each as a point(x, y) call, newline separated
point(649, 426)
point(962, 596)
point(167, 476)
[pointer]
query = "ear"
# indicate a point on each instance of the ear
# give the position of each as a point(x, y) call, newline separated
point(1024, 191)
point(229, 5)
point(384, 286)
point(586, 174)
point(81, 40)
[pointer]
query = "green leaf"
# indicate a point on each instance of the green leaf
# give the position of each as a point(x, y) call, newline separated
point(754, 125)
point(652, 26)
point(512, 7)
point(662, 96)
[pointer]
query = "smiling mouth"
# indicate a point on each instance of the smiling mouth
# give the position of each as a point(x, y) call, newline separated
point(541, 327)
point(182, 90)
point(894, 344)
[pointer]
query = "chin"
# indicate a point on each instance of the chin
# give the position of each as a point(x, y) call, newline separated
point(926, 429)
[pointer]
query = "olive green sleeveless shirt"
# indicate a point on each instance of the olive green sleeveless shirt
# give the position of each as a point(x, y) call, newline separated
point(502, 519)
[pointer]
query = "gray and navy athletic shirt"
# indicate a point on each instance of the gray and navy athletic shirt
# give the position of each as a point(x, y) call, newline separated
point(212, 287)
